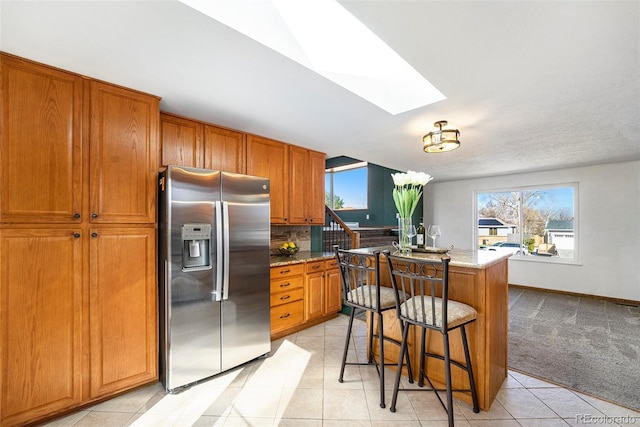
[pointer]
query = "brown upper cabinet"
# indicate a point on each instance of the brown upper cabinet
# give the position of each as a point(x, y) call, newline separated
point(181, 141)
point(306, 192)
point(123, 147)
point(188, 142)
point(270, 159)
point(41, 156)
point(296, 173)
point(224, 150)
point(55, 172)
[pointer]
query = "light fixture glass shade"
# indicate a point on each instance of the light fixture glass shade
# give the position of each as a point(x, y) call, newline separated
point(440, 141)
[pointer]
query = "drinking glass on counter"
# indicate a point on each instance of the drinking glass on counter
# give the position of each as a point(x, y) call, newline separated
point(411, 233)
point(433, 231)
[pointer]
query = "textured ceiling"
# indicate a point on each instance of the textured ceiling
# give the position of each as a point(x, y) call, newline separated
point(530, 85)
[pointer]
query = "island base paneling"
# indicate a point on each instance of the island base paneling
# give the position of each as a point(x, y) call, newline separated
point(486, 290)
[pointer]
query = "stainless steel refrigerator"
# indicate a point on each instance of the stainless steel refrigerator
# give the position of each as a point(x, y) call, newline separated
point(213, 273)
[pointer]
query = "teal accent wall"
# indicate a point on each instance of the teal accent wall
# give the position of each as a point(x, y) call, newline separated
point(382, 210)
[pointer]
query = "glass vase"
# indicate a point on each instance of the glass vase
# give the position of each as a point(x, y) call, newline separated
point(404, 241)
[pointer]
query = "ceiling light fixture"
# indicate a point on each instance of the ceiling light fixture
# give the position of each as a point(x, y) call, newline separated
point(439, 141)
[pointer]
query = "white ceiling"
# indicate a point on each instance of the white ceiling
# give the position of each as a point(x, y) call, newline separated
point(531, 85)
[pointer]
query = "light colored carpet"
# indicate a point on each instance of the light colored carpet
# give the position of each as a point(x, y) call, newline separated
point(586, 344)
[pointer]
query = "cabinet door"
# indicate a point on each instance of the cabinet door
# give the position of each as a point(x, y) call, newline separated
point(315, 196)
point(224, 150)
point(333, 290)
point(270, 159)
point(124, 138)
point(314, 295)
point(306, 190)
point(41, 318)
point(299, 185)
point(122, 312)
point(40, 143)
point(181, 141)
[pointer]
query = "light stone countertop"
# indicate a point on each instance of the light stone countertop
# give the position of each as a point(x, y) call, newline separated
point(459, 257)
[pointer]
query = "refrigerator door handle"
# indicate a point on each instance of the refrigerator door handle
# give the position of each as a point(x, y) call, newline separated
point(219, 255)
point(225, 239)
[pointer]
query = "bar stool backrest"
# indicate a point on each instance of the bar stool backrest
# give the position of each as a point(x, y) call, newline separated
point(426, 282)
point(360, 276)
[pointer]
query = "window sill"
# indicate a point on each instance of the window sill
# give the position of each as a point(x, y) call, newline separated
point(545, 260)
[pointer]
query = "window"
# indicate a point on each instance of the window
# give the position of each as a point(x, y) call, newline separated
point(538, 222)
point(347, 187)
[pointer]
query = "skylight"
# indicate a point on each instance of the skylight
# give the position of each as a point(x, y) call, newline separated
point(324, 37)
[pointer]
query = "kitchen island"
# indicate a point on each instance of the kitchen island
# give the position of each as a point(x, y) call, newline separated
point(476, 278)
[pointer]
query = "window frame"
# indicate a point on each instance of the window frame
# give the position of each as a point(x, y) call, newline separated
point(575, 260)
point(344, 168)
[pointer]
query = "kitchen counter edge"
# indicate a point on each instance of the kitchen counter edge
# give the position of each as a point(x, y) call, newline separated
point(277, 260)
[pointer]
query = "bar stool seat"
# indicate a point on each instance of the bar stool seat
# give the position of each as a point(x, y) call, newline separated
point(457, 312)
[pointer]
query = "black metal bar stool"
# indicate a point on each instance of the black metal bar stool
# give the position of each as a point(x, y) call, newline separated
point(361, 290)
point(423, 279)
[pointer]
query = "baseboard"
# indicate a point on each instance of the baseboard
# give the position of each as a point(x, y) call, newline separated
point(577, 294)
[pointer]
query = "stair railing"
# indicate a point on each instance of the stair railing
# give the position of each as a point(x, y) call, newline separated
point(336, 232)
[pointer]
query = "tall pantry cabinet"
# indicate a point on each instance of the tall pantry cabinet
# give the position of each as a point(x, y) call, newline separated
point(77, 240)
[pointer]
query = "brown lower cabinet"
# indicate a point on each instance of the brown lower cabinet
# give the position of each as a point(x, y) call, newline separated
point(66, 341)
point(303, 295)
point(122, 309)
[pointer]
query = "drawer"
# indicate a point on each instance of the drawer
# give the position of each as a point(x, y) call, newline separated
point(315, 266)
point(331, 264)
point(286, 297)
point(287, 316)
point(287, 270)
point(286, 284)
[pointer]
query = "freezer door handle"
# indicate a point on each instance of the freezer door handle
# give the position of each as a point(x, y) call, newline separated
point(219, 255)
point(225, 239)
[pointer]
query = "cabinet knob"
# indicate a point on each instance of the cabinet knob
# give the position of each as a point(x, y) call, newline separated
point(94, 234)
point(94, 215)
point(285, 297)
point(76, 235)
point(76, 215)
point(284, 316)
point(284, 285)
point(284, 271)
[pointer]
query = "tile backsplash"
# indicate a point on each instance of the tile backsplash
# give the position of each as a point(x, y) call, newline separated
point(301, 235)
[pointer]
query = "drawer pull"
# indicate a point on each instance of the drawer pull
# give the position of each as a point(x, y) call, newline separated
point(285, 271)
point(284, 285)
point(285, 297)
point(315, 267)
point(284, 316)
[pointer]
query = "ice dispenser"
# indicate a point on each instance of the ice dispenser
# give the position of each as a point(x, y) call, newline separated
point(196, 247)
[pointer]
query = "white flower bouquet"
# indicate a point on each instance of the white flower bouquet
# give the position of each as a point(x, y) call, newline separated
point(408, 190)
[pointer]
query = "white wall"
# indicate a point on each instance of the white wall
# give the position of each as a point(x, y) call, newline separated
point(608, 219)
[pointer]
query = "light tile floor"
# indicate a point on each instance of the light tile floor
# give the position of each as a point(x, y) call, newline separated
point(297, 386)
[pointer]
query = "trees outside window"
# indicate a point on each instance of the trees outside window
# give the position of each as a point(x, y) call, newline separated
point(347, 187)
point(542, 219)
